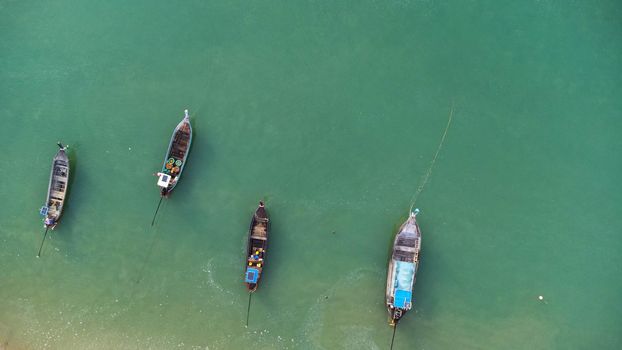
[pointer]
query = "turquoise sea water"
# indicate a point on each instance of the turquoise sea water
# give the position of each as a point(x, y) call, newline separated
point(331, 111)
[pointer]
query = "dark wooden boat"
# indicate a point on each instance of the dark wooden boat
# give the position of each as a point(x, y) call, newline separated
point(57, 189)
point(403, 267)
point(256, 248)
point(176, 156)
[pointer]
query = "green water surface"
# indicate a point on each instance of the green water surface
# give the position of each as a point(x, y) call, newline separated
point(330, 111)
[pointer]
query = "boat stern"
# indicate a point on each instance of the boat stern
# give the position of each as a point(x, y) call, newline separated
point(251, 278)
point(395, 315)
point(49, 223)
point(164, 180)
point(166, 183)
point(49, 219)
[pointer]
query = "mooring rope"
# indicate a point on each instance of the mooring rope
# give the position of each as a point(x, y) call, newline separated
point(429, 171)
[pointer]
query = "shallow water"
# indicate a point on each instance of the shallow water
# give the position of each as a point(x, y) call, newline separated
point(332, 113)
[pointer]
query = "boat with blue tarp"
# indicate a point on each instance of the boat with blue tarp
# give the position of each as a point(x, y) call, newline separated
point(402, 270)
point(256, 247)
point(176, 156)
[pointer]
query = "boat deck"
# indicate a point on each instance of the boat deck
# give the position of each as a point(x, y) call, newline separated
point(179, 148)
point(401, 255)
point(58, 188)
point(260, 231)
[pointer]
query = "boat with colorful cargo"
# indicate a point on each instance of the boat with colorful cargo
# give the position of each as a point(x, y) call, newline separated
point(256, 247)
point(176, 156)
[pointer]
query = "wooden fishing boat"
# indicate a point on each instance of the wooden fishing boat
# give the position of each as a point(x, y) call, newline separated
point(176, 156)
point(403, 269)
point(57, 189)
point(256, 248)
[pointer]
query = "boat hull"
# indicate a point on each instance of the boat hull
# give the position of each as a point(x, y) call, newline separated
point(57, 190)
point(402, 269)
point(256, 248)
point(176, 156)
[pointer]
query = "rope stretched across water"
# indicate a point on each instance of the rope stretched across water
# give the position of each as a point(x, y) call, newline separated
point(429, 172)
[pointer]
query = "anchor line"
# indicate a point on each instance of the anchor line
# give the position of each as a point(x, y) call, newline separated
point(431, 167)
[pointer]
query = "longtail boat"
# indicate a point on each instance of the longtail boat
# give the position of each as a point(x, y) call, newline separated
point(256, 248)
point(176, 156)
point(57, 189)
point(403, 268)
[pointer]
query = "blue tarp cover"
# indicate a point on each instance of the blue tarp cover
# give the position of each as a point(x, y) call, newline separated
point(251, 275)
point(404, 274)
point(402, 298)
